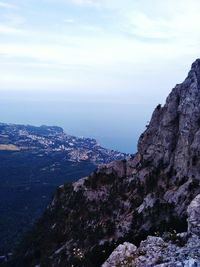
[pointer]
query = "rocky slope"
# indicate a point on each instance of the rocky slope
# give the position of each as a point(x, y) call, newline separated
point(171, 250)
point(127, 200)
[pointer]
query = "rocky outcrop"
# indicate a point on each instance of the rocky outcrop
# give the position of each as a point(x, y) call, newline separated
point(131, 199)
point(171, 250)
point(121, 255)
point(156, 252)
point(194, 216)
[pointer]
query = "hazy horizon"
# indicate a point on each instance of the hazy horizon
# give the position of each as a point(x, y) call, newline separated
point(97, 68)
point(114, 118)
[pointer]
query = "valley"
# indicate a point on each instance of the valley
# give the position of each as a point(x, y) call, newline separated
point(33, 162)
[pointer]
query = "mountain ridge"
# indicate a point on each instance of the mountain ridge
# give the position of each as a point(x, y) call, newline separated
point(130, 199)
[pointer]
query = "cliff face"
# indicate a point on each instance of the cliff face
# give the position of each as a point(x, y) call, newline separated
point(126, 200)
point(172, 140)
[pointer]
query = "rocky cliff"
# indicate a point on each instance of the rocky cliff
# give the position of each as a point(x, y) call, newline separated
point(127, 200)
point(171, 250)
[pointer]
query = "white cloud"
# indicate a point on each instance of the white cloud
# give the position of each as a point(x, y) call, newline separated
point(141, 25)
point(124, 37)
point(7, 30)
point(94, 3)
point(69, 20)
point(11, 24)
point(94, 52)
point(7, 5)
point(179, 26)
point(14, 19)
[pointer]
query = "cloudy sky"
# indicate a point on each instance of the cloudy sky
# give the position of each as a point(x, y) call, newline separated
point(95, 44)
point(129, 52)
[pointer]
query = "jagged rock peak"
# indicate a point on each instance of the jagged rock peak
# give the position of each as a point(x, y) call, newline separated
point(173, 133)
point(196, 65)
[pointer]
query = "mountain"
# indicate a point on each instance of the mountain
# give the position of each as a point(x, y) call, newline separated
point(152, 197)
point(33, 162)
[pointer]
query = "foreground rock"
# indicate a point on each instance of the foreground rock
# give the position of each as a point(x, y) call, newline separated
point(126, 201)
point(156, 252)
point(172, 250)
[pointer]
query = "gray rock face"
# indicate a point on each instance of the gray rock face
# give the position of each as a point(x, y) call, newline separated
point(130, 199)
point(173, 135)
point(121, 256)
point(155, 252)
point(194, 216)
point(171, 250)
point(172, 140)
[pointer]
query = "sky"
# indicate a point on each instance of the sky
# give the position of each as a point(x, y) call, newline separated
point(110, 61)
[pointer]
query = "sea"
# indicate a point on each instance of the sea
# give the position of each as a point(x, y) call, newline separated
point(114, 120)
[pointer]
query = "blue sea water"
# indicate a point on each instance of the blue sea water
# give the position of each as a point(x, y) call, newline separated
point(116, 122)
